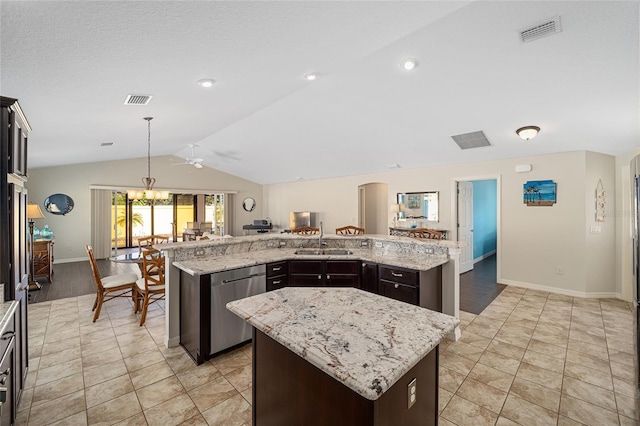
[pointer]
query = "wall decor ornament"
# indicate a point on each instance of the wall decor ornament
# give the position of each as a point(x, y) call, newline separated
point(540, 193)
point(601, 202)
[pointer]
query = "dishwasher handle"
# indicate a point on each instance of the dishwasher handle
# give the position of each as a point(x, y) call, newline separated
point(246, 277)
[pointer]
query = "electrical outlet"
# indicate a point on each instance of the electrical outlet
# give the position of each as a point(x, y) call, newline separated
point(378, 244)
point(429, 250)
point(283, 243)
point(364, 243)
point(199, 252)
point(411, 393)
point(595, 229)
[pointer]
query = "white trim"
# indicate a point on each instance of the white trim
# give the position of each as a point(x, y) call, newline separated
point(71, 260)
point(172, 190)
point(484, 256)
point(564, 291)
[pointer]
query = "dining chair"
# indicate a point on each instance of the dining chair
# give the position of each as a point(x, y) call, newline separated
point(350, 230)
point(110, 287)
point(305, 230)
point(150, 288)
point(425, 233)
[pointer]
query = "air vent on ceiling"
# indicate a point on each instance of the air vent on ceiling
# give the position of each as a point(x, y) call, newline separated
point(471, 140)
point(106, 144)
point(137, 99)
point(543, 29)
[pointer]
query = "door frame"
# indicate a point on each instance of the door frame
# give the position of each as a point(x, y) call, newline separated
point(454, 213)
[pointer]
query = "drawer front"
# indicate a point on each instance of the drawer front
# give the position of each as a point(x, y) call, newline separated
point(274, 283)
point(399, 275)
point(343, 267)
point(277, 268)
point(402, 292)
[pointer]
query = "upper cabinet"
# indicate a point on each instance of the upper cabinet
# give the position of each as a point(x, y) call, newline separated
point(18, 137)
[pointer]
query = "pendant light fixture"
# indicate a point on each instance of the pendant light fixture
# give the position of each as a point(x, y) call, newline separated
point(148, 181)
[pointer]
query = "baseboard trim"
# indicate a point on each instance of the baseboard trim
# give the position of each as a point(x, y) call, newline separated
point(71, 260)
point(483, 257)
point(563, 291)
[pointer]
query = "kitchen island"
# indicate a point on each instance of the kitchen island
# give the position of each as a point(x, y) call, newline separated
point(342, 356)
point(198, 259)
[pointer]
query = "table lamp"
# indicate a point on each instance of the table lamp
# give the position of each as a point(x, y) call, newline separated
point(33, 212)
point(395, 209)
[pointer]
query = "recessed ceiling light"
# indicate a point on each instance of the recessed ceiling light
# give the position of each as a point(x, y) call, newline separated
point(409, 64)
point(206, 82)
point(311, 76)
point(528, 132)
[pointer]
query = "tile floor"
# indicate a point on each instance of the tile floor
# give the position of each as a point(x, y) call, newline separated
point(529, 358)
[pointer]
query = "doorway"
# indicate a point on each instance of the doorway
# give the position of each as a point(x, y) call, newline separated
point(476, 221)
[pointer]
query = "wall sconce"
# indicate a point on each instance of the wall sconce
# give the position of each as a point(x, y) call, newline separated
point(528, 132)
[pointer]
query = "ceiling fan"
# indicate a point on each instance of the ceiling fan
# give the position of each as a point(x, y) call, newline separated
point(193, 160)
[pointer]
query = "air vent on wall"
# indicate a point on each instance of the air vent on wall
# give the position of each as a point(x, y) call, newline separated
point(542, 29)
point(137, 99)
point(471, 140)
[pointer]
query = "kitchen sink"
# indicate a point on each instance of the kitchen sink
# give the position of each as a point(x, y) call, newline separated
point(335, 252)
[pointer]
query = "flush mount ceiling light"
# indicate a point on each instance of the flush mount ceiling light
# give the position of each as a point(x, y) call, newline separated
point(311, 76)
point(206, 82)
point(409, 64)
point(528, 132)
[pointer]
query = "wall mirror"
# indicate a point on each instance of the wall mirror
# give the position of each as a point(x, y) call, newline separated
point(248, 204)
point(58, 204)
point(418, 205)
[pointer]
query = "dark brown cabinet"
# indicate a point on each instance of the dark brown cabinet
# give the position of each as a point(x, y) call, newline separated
point(14, 263)
point(319, 273)
point(7, 381)
point(277, 275)
point(369, 277)
point(399, 284)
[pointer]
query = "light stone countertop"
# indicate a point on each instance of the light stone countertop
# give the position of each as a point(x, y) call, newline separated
point(365, 341)
point(209, 265)
point(7, 310)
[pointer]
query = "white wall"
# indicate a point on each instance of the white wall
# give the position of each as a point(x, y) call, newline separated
point(72, 231)
point(535, 241)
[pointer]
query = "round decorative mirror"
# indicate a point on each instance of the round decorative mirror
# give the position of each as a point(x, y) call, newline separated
point(58, 204)
point(248, 204)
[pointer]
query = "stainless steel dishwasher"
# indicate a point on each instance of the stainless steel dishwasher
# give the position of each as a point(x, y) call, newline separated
point(227, 329)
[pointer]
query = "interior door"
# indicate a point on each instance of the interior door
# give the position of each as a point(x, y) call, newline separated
point(465, 224)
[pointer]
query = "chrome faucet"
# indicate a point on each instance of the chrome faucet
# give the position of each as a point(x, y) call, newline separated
point(320, 242)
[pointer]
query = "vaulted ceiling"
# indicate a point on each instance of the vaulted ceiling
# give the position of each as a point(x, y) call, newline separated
point(72, 64)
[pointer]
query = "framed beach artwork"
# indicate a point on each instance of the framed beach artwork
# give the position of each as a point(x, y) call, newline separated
point(540, 193)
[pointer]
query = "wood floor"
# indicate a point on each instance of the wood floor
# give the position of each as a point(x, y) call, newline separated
point(76, 279)
point(478, 287)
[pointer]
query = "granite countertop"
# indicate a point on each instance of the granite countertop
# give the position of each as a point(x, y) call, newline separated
point(365, 341)
point(7, 309)
point(209, 265)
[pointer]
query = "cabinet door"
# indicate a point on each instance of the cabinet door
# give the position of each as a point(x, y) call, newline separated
point(402, 292)
point(343, 280)
point(306, 280)
point(342, 273)
point(20, 278)
point(306, 273)
point(369, 278)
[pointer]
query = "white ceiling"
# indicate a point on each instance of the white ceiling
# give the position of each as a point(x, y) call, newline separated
point(71, 65)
